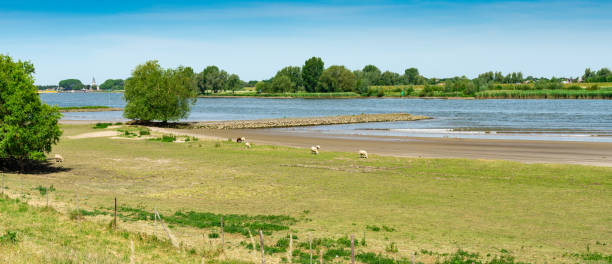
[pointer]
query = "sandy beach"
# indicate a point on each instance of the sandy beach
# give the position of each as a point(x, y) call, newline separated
point(529, 151)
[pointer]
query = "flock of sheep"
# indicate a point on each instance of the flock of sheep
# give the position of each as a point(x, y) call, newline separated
point(314, 149)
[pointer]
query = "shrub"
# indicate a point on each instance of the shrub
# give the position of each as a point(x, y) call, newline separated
point(573, 87)
point(144, 132)
point(593, 87)
point(168, 138)
point(101, 125)
point(213, 235)
point(380, 92)
point(10, 237)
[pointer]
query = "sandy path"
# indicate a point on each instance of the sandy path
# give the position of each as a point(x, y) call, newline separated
point(530, 151)
point(111, 133)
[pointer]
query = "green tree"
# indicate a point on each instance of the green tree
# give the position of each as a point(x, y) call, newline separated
point(71, 84)
point(311, 72)
point(294, 74)
point(211, 79)
point(233, 83)
point(28, 127)
point(153, 93)
point(282, 84)
point(372, 73)
point(389, 78)
point(412, 76)
point(112, 84)
point(336, 79)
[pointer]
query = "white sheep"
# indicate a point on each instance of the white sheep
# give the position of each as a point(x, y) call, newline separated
point(240, 139)
point(59, 158)
point(314, 150)
point(318, 147)
point(247, 145)
point(363, 154)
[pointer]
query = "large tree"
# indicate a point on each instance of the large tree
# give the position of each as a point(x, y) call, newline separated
point(233, 83)
point(372, 73)
point(412, 76)
point(112, 84)
point(311, 72)
point(28, 127)
point(71, 84)
point(294, 74)
point(211, 79)
point(336, 79)
point(153, 93)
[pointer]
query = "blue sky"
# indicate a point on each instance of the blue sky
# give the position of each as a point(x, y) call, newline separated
point(107, 39)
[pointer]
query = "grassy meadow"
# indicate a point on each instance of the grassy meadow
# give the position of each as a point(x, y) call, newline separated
point(437, 209)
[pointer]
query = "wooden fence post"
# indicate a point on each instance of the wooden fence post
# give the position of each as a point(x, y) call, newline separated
point(290, 255)
point(115, 221)
point(47, 195)
point(321, 257)
point(412, 257)
point(261, 245)
point(77, 204)
point(310, 240)
point(3, 183)
point(222, 234)
point(353, 249)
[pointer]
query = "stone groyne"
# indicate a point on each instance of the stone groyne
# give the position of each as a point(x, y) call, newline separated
point(307, 121)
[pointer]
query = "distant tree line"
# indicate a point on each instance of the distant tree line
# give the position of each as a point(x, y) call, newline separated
point(602, 75)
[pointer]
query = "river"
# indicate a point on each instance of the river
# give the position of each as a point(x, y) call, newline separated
point(575, 120)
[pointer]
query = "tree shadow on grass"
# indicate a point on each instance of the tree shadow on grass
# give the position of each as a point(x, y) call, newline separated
point(162, 124)
point(31, 166)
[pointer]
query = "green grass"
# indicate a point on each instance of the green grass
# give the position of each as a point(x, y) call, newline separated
point(537, 212)
point(102, 125)
point(42, 235)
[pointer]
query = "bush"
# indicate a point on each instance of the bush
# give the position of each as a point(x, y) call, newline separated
point(213, 235)
point(101, 125)
point(168, 138)
point(144, 132)
point(10, 237)
point(573, 87)
point(593, 87)
point(380, 92)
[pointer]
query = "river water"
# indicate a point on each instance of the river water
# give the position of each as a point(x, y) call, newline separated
point(575, 120)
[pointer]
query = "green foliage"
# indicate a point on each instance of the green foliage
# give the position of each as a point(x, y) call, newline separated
point(289, 79)
point(233, 83)
point(213, 235)
point(153, 93)
point(10, 237)
point(311, 72)
point(28, 128)
point(144, 132)
point(411, 76)
point(112, 84)
point(602, 75)
point(101, 125)
point(211, 79)
point(71, 84)
point(336, 79)
point(392, 248)
point(43, 190)
point(282, 84)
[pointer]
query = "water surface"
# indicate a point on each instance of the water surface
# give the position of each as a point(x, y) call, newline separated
point(576, 120)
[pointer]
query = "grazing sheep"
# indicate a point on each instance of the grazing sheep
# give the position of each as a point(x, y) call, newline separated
point(240, 139)
point(363, 154)
point(314, 150)
point(59, 158)
point(318, 147)
point(247, 145)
